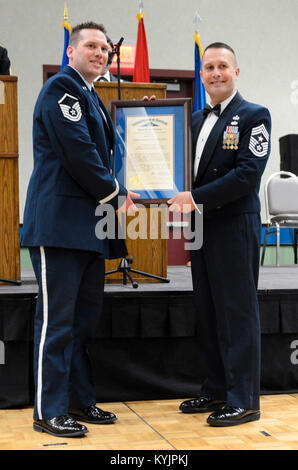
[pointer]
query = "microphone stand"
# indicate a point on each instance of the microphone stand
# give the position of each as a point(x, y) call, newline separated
point(11, 281)
point(116, 50)
point(125, 269)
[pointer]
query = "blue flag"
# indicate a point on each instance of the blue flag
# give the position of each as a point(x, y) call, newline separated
point(67, 31)
point(200, 93)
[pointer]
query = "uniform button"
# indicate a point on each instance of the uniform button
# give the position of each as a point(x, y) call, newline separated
point(215, 170)
point(218, 207)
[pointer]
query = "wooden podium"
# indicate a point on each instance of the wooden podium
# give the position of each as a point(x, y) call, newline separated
point(108, 91)
point(9, 181)
point(149, 254)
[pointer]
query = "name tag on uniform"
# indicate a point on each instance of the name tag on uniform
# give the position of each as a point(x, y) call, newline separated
point(231, 138)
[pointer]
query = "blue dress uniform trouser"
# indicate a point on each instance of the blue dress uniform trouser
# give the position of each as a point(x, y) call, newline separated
point(225, 279)
point(71, 284)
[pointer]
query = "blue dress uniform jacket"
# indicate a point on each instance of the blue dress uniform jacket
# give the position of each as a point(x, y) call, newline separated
point(228, 180)
point(225, 270)
point(73, 141)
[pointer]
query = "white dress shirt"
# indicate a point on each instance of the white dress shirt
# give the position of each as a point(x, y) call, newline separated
point(207, 127)
point(106, 76)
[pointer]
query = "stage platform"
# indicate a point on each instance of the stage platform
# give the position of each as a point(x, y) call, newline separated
point(146, 342)
point(272, 278)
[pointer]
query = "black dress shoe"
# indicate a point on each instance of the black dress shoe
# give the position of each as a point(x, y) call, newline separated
point(61, 426)
point(94, 415)
point(201, 405)
point(230, 416)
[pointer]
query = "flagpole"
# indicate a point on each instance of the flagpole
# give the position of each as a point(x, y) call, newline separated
point(141, 71)
point(200, 94)
point(197, 20)
point(67, 31)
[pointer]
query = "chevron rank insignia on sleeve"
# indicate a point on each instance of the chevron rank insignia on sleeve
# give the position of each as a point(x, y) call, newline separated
point(259, 141)
point(70, 107)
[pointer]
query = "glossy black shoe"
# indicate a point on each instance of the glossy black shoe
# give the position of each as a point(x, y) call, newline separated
point(61, 426)
point(201, 405)
point(230, 416)
point(93, 415)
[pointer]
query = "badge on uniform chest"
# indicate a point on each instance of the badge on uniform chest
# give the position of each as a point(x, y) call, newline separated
point(230, 138)
point(231, 135)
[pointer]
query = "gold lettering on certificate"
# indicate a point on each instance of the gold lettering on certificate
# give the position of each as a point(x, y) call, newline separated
point(150, 152)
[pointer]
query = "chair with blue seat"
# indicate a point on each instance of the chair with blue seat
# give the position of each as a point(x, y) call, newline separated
point(281, 204)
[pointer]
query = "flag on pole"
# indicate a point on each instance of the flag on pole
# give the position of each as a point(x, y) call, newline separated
point(141, 67)
point(67, 31)
point(200, 93)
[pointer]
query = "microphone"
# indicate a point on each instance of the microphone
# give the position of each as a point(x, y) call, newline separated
point(116, 47)
point(116, 50)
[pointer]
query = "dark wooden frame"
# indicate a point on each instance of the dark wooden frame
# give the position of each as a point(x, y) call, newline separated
point(186, 102)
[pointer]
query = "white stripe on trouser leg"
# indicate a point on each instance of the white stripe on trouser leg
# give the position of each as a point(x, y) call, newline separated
point(44, 328)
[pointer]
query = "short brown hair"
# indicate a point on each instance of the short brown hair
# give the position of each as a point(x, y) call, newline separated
point(221, 45)
point(75, 32)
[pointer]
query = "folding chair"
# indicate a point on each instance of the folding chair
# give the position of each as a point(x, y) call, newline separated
point(281, 204)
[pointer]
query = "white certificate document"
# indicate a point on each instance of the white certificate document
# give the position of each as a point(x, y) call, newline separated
point(150, 152)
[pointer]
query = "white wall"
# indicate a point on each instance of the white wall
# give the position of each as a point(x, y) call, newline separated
point(264, 35)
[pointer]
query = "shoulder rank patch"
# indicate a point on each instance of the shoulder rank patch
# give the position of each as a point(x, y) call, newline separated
point(70, 107)
point(259, 141)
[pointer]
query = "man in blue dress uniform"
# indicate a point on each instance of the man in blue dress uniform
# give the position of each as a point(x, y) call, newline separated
point(73, 138)
point(231, 146)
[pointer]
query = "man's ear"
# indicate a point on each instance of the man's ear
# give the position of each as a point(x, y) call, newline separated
point(69, 51)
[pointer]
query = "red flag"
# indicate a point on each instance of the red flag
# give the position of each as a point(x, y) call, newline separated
point(141, 68)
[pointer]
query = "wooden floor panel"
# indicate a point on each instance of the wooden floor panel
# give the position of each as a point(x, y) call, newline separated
point(158, 425)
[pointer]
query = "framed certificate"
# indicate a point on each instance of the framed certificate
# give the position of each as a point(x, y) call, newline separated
point(153, 147)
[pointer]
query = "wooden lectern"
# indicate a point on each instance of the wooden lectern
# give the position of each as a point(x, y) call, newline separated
point(108, 91)
point(9, 181)
point(149, 255)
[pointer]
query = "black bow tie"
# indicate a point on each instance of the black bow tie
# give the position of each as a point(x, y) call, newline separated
point(208, 109)
point(102, 79)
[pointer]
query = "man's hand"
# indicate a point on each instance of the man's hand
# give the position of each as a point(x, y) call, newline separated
point(128, 205)
point(152, 98)
point(182, 202)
